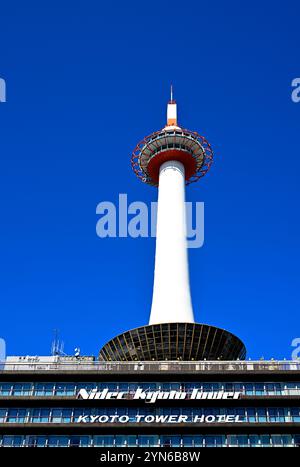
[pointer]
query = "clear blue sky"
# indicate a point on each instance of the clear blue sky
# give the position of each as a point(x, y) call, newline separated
point(86, 80)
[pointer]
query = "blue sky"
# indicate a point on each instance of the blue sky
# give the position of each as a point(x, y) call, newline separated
point(85, 82)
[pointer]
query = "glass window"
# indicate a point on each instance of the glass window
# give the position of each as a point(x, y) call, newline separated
point(215, 386)
point(187, 441)
point(84, 441)
point(276, 440)
point(56, 415)
point(147, 441)
point(210, 441)
point(265, 440)
point(262, 416)
point(175, 386)
point(123, 387)
point(70, 389)
point(88, 386)
point(281, 415)
point(165, 386)
point(100, 441)
point(53, 441)
point(254, 440)
point(63, 441)
point(44, 415)
point(75, 441)
point(39, 415)
point(206, 387)
point(39, 389)
point(198, 441)
point(34, 415)
point(292, 389)
point(277, 388)
point(259, 389)
point(60, 389)
point(8, 441)
point(48, 389)
point(21, 389)
point(272, 415)
point(220, 441)
point(232, 440)
point(18, 441)
point(31, 441)
point(251, 415)
point(43, 389)
point(249, 390)
point(295, 413)
point(41, 441)
point(21, 415)
point(64, 389)
point(297, 440)
point(131, 441)
point(287, 440)
point(5, 389)
point(242, 440)
point(2, 415)
point(188, 387)
point(12, 415)
point(121, 441)
point(112, 386)
point(170, 441)
point(229, 387)
point(270, 389)
point(66, 415)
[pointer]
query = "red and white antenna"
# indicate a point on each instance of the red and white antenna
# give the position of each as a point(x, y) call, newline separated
point(172, 111)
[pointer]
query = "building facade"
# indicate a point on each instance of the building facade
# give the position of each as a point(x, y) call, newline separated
point(81, 402)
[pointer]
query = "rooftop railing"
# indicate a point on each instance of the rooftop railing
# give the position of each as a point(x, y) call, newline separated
point(80, 365)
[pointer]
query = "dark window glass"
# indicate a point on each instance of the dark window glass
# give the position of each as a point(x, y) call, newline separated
point(5, 389)
point(147, 440)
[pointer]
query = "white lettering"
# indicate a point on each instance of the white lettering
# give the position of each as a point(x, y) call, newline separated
point(152, 396)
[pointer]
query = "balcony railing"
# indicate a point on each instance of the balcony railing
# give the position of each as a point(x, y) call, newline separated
point(58, 364)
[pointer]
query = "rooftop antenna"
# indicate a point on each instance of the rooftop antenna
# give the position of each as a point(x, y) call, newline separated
point(171, 92)
point(57, 346)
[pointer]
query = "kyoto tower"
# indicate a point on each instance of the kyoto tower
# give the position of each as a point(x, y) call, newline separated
point(170, 159)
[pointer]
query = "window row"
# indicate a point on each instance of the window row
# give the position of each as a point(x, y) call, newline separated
point(150, 415)
point(71, 389)
point(152, 441)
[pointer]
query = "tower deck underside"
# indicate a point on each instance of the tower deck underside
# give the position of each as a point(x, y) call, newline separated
point(174, 341)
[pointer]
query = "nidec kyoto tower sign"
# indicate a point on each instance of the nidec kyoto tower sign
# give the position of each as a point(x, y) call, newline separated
point(152, 396)
point(170, 159)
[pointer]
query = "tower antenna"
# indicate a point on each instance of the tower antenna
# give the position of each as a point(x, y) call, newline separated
point(57, 346)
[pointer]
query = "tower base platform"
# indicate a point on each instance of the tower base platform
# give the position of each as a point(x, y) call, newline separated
point(174, 341)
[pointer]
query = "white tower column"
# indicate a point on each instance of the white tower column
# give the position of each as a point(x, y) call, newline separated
point(171, 292)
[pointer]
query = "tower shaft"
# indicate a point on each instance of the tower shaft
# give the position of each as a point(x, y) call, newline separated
point(171, 292)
